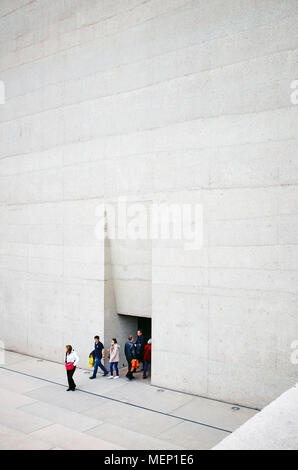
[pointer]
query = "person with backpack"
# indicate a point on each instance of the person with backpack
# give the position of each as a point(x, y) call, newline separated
point(71, 362)
point(130, 354)
point(99, 354)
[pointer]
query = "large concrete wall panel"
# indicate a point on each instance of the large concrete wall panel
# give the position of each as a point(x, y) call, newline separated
point(155, 101)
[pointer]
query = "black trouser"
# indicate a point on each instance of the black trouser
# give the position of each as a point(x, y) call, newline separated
point(129, 373)
point(140, 358)
point(71, 383)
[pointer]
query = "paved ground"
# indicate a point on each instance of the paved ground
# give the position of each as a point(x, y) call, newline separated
point(37, 413)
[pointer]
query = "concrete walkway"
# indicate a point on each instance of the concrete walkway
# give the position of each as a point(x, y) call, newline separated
point(37, 413)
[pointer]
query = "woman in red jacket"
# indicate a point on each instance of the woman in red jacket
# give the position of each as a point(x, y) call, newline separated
point(147, 358)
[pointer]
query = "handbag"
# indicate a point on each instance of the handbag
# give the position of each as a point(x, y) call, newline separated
point(69, 365)
point(91, 361)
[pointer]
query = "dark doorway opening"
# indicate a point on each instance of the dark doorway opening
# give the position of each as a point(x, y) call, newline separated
point(145, 324)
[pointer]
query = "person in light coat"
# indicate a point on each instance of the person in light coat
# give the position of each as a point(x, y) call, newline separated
point(114, 352)
point(71, 362)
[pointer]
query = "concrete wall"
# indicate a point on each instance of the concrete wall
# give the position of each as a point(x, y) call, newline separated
point(153, 100)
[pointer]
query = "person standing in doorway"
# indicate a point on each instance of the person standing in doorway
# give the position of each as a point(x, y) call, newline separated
point(71, 362)
point(99, 354)
point(140, 346)
point(147, 358)
point(130, 354)
point(114, 353)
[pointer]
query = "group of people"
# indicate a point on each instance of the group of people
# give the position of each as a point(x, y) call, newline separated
point(138, 354)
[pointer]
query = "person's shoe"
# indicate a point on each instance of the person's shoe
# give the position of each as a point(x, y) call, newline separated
point(117, 377)
point(144, 377)
point(105, 374)
point(92, 378)
point(68, 390)
point(111, 377)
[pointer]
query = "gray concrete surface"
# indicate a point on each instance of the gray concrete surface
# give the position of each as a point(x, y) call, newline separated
point(274, 428)
point(37, 413)
point(158, 100)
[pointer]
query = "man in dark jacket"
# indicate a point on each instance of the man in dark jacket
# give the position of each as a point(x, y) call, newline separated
point(140, 346)
point(98, 353)
point(130, 354)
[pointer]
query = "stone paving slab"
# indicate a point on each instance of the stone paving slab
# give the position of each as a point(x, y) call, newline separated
point(6, 432)
point(214, 413)
point(41, 369)
point(73, 401)
point(151, 397)
point(20, 383)
point(192, 436)
point(24, 443)
point(130, 439)
point(101, 385)
point(16, 440)
point(21, 421)
point(59, 415)
point(66, 438)
point(13, 400)
point(134, 419)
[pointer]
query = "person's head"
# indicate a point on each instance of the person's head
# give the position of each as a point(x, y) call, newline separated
point(130, 338)
point(96, 339)
point(114, 341)
point(68, 348)
point(150, 341)
point(140, 332)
